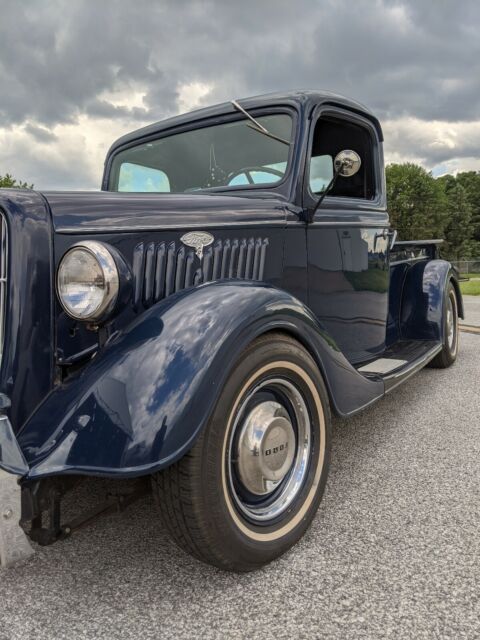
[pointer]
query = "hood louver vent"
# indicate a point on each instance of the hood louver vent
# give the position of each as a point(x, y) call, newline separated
point(163, 268)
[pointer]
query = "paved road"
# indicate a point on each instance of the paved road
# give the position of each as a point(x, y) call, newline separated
point(393, 553)
point(472, 311)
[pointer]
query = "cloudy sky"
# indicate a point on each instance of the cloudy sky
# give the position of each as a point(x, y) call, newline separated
point(76, 74)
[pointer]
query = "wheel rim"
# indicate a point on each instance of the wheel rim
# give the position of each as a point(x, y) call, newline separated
point(452, 323)
point(269, 450)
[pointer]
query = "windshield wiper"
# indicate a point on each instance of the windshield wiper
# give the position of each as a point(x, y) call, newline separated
point(257, 126)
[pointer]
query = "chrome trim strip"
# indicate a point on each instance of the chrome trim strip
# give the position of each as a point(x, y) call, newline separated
point(215, 225)
point(418, 243)
point(409, 260)
point(348, 223)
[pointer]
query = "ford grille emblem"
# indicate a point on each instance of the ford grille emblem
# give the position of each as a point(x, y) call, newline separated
point(198, 240)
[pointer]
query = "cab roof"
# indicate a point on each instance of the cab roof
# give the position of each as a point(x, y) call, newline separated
point(299, 99)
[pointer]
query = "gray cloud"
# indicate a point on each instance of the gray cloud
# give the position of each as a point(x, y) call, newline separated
point(40, 133)
point(62, 59)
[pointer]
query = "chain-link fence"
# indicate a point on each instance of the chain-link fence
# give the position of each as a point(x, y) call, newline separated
point(468, 266)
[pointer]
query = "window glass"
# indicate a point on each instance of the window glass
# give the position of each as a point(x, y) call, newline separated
point(321, 173)
point(135, 177)
point(331, 136)
point(257, 176)
point(225, 155)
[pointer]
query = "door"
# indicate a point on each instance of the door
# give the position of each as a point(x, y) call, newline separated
point(347, 241)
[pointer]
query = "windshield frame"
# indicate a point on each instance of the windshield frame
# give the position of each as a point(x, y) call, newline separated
point(282, 187)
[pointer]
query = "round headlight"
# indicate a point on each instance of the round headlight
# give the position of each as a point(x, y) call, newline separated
point(87, 281)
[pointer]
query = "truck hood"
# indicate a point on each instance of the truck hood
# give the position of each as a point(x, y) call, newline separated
point(104, 211)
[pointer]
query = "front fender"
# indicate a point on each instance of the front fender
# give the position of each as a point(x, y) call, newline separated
point(424, 291)
point(139, 404)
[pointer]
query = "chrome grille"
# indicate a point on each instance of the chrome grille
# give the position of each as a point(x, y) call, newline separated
point(3, 278)
point(165, 268)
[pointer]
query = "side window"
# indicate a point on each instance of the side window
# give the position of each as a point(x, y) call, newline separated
point(321, 172)
point(138, 178)
point(331, 136)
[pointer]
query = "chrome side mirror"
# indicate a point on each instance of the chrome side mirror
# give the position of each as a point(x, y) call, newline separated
point(347, 163)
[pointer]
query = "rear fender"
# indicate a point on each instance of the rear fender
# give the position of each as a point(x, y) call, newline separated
point(139, 404)
point(423, 298)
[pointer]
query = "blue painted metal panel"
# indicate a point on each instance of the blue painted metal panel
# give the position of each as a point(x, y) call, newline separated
point(423, 298)
point(348, 282)
point(27, 369)
point(140, 403)
point(397, 280)
point(109, 212)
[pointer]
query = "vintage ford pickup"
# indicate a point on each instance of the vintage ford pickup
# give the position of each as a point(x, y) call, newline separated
point(197, 320)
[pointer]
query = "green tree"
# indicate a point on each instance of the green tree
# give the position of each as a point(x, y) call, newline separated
point(470, 180)
point(417, 203)
point(458, 229)
point(9, 181)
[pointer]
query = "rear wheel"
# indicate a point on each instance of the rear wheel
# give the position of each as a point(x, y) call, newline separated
point(448, 354)
point(252, 483)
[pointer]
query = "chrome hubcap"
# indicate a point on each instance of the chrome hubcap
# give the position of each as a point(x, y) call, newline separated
point(269, 449)
point(266, 448)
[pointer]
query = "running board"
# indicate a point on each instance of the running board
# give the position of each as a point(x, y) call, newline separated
point(400, 361)
point(383, 366)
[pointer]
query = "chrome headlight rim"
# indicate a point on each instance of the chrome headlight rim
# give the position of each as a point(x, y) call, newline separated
point(104, 257)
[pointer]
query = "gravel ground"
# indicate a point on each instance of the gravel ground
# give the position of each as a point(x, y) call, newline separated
point(472, 310)
point(394, 551)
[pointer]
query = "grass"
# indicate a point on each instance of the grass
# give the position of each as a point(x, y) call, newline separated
point(471, 288)
point(378, 281)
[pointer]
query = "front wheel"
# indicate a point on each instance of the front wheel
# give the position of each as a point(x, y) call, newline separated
point(448, 354)
point(252, 483)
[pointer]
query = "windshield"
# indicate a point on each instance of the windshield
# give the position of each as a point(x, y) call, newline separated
point(232, 154)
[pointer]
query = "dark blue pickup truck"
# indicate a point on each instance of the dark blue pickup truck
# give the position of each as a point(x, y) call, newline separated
point(197, 321)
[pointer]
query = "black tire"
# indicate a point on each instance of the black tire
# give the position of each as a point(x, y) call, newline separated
point(449, 352)
point(197, 496)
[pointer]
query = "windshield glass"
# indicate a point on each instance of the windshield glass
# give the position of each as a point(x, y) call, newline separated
point(225, 155)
